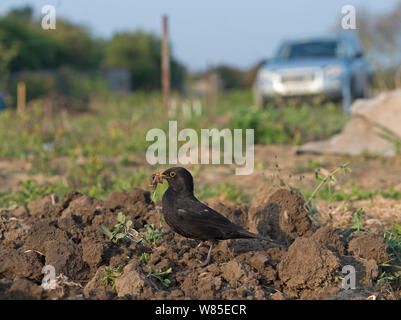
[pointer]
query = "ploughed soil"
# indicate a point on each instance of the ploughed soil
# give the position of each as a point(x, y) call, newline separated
point(64, 233)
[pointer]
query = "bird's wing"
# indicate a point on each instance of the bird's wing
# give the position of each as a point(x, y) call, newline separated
point(202, 222)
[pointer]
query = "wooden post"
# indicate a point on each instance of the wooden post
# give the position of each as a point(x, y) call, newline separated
point(211, 89)
point(21, 96)
point(165, 67)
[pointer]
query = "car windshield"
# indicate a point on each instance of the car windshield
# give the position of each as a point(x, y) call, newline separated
point(310, 49)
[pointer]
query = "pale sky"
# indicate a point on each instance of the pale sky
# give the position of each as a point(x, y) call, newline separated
point(208, 32)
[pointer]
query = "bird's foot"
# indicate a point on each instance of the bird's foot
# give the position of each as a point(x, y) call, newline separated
point(206, 262)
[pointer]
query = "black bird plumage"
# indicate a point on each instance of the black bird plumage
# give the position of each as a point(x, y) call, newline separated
point(189, 217)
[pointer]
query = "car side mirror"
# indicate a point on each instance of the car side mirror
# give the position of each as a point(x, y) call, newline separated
point(264, 62)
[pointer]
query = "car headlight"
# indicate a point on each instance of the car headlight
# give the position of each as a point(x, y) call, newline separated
point(265, 76)
point(333, 71)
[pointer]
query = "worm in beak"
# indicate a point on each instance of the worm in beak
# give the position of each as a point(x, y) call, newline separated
point(157, 178)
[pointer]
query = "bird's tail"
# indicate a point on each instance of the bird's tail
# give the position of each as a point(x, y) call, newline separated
point(250, 235)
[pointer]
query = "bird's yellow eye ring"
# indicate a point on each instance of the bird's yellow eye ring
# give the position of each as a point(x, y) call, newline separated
point(172, 174)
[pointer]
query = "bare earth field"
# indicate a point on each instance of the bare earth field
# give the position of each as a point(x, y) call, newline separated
point(65, 233)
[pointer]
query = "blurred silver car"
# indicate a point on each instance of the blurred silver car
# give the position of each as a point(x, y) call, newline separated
point(331, 65)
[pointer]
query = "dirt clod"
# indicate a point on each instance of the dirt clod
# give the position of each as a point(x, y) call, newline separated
point(330, 238)
point(263, 217)
point(95, 289)
point(281, 216)
point(92, 252)
point(24, 289)
point(307, 265)
point(66, 258)
point(293, 218)
point(366, 270)
point(132, 282)
point(42, 206)
point(369, 246)
point(15, 263)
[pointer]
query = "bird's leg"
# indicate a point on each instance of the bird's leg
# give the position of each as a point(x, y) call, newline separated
point(206, 262)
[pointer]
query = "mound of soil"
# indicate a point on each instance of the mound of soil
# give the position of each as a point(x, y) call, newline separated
point(369, 246)
point(307, 265)
point(330, 238)
point(65, 234)
point(281, 216)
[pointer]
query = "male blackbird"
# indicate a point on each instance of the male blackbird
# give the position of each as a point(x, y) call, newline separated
point(191, 218)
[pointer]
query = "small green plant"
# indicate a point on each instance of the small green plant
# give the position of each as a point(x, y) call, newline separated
point(391, 272)
point(121, 230)
point(358, 221)
point(325, 181)
point(159, 275)
point(145, 258)
point(393, 240)
point(390, 276)
point(152, 234)
point(110, 275)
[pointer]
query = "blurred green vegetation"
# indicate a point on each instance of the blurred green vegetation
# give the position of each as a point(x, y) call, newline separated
point(95, 152)
point(117, 125)
point(354, 194)
point(139, 53)
point(38, 49)
point(293, 124)
point(69, 59)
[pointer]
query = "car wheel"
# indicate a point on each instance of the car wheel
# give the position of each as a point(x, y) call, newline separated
point(354, 92)
point(367, 90)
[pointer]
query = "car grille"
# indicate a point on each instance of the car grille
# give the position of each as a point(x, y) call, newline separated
point(298, 78)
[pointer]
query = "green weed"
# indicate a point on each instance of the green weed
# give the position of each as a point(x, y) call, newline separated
point(121, 230)
point(110, 275)
point(159, 275)
point(152, 234)
point(325, 181)
point(393, 240)
point(358, 221)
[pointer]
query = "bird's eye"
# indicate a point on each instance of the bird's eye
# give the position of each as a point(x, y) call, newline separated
point(172, 174)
